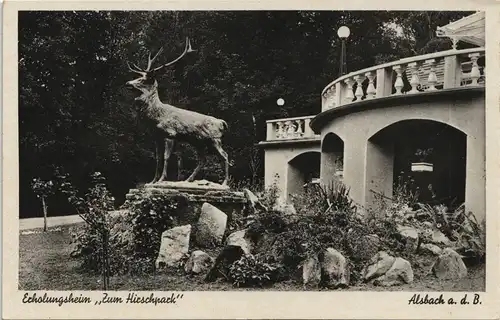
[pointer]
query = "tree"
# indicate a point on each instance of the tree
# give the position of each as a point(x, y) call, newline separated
point(75, 112)
point(43, 189)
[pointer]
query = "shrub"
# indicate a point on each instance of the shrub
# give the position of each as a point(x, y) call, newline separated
point(91, 241)
point(327, 218)
point(253, 271)
point(134, 233)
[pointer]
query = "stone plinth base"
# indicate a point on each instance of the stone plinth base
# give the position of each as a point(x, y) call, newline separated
point(195, 194)
point(195, 187)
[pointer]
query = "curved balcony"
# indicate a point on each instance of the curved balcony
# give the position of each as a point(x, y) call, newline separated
point(430, 72)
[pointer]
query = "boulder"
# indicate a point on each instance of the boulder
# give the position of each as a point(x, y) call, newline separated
point(211, 226)
point(224, 260)
point(335, 269)
point(378, 265)
point(253, 202)
point(399, 273)
point(240, 239)
point(430, 248)
point(410, 236)
point(439, 238)
point(449, 265)
point(198, 262)
point(174, 245)
point(311, 272)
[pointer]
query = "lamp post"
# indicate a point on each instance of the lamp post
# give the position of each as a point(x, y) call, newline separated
point(343, 33)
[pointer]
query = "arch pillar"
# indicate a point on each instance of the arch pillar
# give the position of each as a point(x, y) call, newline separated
point(475, 179)
point(379, 171)
point(354, 167)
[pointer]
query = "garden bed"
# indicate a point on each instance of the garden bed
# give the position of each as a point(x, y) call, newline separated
point(45, 264)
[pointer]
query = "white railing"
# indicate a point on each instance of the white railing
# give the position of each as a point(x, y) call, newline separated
point(430, 72)
point(290, 128)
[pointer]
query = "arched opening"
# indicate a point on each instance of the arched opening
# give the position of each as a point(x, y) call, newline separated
point(424, 156)
point(332, 158)
point(302, 170)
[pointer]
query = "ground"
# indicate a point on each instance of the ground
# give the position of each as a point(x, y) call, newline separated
point(45, 264)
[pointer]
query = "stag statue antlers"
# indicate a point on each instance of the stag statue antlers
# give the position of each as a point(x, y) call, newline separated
point(173, 124)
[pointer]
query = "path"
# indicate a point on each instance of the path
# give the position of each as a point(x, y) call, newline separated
point(37, 223)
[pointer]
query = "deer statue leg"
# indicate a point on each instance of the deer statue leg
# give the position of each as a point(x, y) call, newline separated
point(159, 147)
point(223, 154)
point(201, 162)
point(169, 147)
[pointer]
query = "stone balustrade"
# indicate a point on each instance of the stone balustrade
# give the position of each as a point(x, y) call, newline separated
point(290, 128)
point(437, 71)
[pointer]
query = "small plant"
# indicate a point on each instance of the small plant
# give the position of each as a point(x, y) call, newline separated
point(471, 237)
point(405, 192)
point(253, 271)
point(269, 197)
point(423, 154)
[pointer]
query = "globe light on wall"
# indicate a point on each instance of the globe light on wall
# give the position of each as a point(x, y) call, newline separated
point(280, 102)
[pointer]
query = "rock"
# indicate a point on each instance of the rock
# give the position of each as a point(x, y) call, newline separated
point(438, 237)
point(211, 226)
point(410, 236)
point(399, 273)
point(221, 266)
point(198, 262)
point(335, 269)
point(379, 264)
point(253, 202)
point(430, 249)
point(449, 266)
point(311, 272)
point(240, 239)
point(174, 245)
point(428, 224)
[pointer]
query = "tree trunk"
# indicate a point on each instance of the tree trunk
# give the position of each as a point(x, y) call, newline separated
point(44, 214)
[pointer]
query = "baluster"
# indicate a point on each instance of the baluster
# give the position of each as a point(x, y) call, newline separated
point(359, 88)
point(414, 80)
point(290, 129)
point(484, 75)
point(370, 90)
point(349, 96)
point(279, 130)
point(332, 97)
point(432, 79)
point(328, 94)
point(474, 73)
point(399, 84)
point(299, 132)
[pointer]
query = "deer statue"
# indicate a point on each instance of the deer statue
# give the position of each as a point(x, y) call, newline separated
point(173, 124)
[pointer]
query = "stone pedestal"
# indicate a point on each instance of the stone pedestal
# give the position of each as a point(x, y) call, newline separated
point(195, 193)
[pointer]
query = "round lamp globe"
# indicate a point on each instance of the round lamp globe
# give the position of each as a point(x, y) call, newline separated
point(280, 102)
point(343, 32)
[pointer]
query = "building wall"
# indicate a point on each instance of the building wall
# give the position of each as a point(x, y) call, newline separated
point(276, 159)
point(366, 166)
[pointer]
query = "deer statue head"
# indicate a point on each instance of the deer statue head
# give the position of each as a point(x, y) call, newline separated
point(147, 83)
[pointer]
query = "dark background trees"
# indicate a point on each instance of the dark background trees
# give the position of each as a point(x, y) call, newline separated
point(76, 115)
